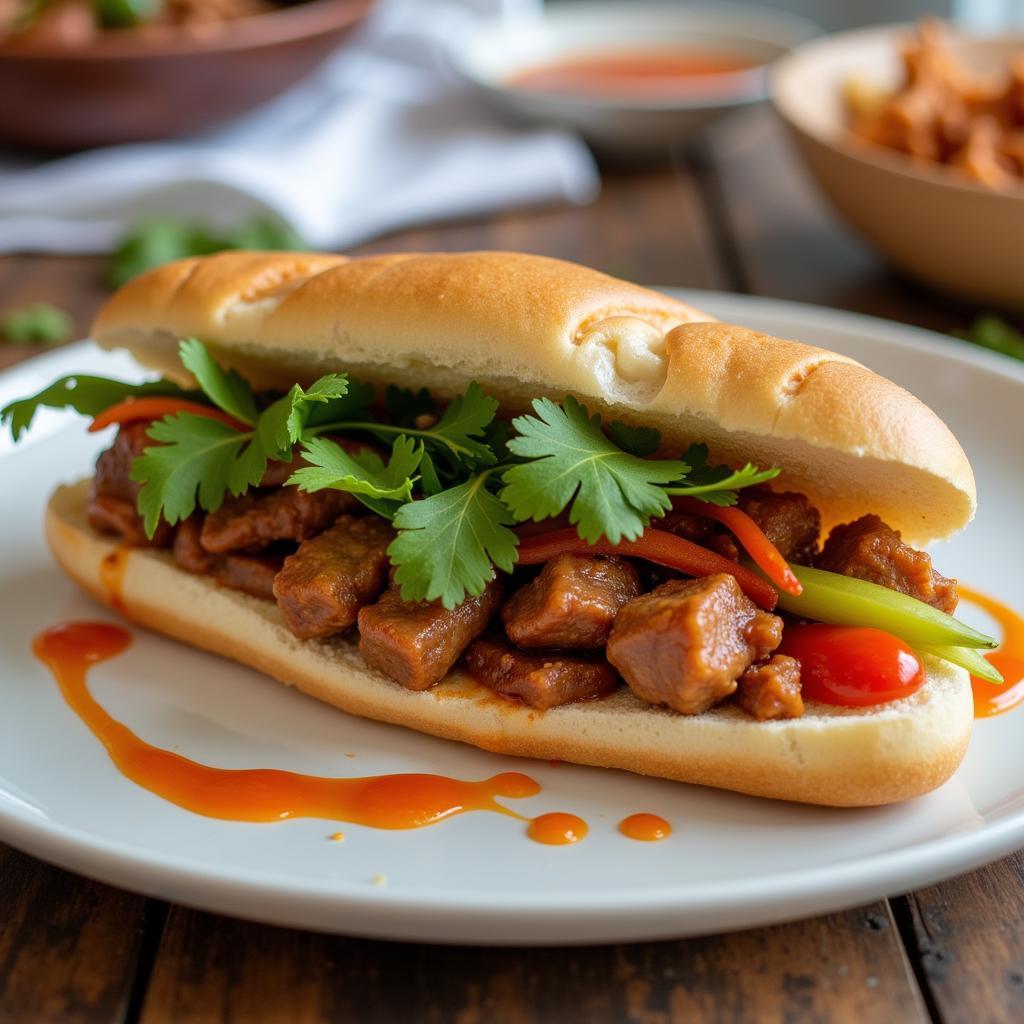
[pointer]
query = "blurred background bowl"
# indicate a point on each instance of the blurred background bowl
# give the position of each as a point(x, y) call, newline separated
point(134, 86)
point(493, 55)
point(947, 232)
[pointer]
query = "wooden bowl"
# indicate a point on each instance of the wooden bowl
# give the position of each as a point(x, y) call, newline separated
point(948, 232)
point(138, 86)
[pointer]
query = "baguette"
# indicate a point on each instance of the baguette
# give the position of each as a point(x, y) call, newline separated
point(833, 756)
point(526, 326)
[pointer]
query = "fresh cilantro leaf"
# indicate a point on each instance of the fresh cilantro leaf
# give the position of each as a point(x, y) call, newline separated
point(196, 455)
point(429, 480)
point(642, 441)
point(405, 406)
point(447, 542)
point(361, 472)
point(158, 240)
point(227, 389)
point(86, 395)
point(723, 491)
point(991, 331)
point(464, 421)
point(281, 425)
point(262, 233)
point(717, 485)
point(613, 494)
point(38, 323)
point(354, 405)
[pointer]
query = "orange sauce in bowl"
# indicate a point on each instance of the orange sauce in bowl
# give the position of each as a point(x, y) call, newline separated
point(634, 74)
point(993, 698)
point(400, 801)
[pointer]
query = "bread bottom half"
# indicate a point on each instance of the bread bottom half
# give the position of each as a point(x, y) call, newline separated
point(832, 756)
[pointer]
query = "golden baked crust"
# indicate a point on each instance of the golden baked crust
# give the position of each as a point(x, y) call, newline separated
point(831, 756)
point(526, 326)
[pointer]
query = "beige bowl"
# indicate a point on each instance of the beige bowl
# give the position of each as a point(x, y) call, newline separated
point(950, 233)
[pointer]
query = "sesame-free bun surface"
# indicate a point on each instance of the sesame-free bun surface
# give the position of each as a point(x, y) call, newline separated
point(528, 326)
point(832, 756)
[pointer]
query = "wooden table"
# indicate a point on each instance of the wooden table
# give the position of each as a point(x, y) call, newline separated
point(734, 214)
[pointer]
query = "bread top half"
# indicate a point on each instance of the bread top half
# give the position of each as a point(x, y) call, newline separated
point(527, 326)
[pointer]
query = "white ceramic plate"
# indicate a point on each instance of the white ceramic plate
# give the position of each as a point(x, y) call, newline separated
point(732, 861)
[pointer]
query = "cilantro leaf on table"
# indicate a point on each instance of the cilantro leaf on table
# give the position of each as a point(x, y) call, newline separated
point(993, 332)
point(612, 493)
point(227, 389)
point(196, 456)
point(362, 473)
point(446, 543)
point(158, 240)
point(86, 395)
point(38, 323)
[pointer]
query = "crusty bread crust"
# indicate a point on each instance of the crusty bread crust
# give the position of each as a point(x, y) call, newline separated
point(831, 756)
point(526, 326)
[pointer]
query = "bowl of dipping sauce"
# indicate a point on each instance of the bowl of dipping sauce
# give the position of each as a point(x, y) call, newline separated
point(631, 78)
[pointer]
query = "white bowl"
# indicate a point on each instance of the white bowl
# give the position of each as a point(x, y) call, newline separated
point(492, 53)
point(947, 231)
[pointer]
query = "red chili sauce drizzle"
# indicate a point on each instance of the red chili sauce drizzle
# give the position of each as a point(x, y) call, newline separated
point(402, 801)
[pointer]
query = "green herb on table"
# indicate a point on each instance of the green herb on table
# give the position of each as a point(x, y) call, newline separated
point(38, 323)
point(159, 240)
point(991, 331)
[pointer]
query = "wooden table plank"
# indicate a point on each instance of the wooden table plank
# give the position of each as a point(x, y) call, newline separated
point(970, 944)
point(839, 968)
point(68, 946)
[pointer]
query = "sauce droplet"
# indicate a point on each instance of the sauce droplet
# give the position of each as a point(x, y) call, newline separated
point(993, 698)
point(558, 829)
point(258, 794)
point(647, 828)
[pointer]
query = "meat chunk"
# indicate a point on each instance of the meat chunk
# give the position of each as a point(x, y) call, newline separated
point(771, 689)
point(686, 643)
point(417, 642)
point(788, 519)
point(118, 515)
point(321, 588)
point(114, 466)
point(252, 574)
point(868, 549)
point(188, 552)
point(253, 520)
point(111, 507)
point(572, 603)
point(540, 680)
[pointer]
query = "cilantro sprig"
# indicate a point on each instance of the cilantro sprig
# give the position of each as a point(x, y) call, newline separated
point(454, 480)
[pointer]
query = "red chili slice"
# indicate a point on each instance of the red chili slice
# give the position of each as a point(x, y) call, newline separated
point(655, 546)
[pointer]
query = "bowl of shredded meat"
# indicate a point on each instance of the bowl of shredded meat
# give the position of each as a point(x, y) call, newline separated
point(100, 72)
point(916, 135)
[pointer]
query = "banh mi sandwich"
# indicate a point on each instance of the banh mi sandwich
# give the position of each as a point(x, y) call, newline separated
point(512, 501)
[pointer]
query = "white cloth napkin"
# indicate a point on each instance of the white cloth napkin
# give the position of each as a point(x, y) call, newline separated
point(381, 137)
